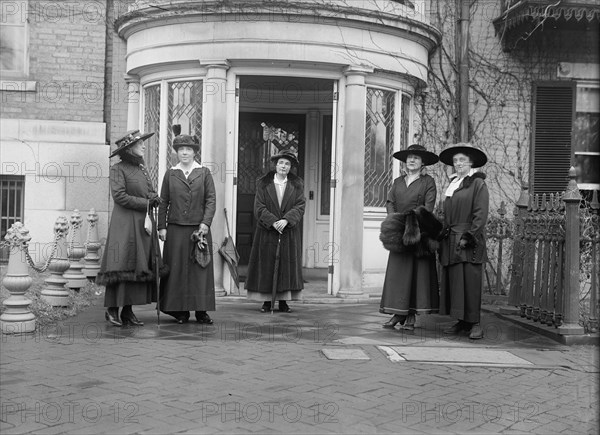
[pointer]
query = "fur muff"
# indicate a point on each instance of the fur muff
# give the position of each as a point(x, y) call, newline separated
point(415, 231)
point(412, 232)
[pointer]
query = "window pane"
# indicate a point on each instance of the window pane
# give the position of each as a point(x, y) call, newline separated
point(379, 144)
point(12, 48)
point(326, 166)
point(152, 124)
point(185, 109)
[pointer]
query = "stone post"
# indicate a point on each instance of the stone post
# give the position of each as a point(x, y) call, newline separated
point(572, 199)
point(17, 318)
point(74, 276)
point(55, 292)
point(91, 261)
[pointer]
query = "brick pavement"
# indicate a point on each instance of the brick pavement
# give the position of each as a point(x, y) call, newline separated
point(263, 373)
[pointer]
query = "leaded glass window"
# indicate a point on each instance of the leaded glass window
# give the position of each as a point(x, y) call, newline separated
point(185, 109)
point(152, 124)
point(379, 146)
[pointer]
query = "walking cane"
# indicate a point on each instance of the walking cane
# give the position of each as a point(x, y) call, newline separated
point(275, 273)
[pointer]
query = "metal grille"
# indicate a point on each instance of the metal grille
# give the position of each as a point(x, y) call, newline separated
point(12, 198)
point(379, 146)
point(259, 140)
point(152, 124)
point(185, 109)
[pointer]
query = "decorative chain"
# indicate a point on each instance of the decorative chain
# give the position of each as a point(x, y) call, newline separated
point(47, 263)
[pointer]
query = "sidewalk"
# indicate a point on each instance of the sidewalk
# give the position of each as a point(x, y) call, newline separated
point(324, 368)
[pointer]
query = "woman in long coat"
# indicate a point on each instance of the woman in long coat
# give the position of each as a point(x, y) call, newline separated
point(410, 284)
point(463, 250)
point(278, 208)
point(127, 269)
point(188, 204)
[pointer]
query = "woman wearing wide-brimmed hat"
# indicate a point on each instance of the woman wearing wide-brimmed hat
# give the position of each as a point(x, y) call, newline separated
point(409, 233)
point(278, 207)
point(126, 269)
point(463, 249)
point(184, 218)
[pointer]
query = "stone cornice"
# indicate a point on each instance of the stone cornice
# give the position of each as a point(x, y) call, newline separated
point(399, 20)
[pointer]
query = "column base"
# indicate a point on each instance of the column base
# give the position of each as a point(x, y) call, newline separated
point(570, 329)
point(17, 327)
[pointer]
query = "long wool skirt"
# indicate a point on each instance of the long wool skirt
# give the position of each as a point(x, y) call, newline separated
point(461, 287)
point(129, 293)
point(410, 284)
point(189, 287)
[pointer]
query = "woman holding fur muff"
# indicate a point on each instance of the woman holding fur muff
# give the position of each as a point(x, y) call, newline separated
point(409, 232)
point(463, 248)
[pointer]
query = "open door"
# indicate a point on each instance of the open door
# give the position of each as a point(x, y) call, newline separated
point(261, 135)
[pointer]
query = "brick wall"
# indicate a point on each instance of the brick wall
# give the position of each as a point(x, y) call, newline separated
point(66, 61)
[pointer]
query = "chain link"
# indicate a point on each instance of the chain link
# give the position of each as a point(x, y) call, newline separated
point(47, 263)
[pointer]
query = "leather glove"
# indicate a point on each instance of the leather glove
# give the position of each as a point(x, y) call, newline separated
point(155, 201)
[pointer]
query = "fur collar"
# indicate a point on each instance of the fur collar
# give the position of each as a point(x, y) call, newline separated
point(267, 179)
point(131, 159)
point(469, 180)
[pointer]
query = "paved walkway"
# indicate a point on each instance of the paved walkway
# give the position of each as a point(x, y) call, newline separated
point(325, 368)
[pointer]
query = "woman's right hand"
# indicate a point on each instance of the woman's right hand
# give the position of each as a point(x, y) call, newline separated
point(162, 235)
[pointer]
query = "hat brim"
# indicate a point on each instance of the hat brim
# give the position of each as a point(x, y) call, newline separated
point(479, 158)
point(123, 148)
point(190, 145)
point(292, 159)
point(428, 157)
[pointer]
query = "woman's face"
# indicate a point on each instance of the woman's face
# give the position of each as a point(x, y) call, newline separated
point(462, 164)
point(185, 154)
point(283, 167)
point(413, 163)
point(138, 149)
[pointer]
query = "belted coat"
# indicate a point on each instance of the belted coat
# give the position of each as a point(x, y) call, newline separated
point(262, 256)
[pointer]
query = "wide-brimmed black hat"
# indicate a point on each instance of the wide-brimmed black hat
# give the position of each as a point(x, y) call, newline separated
point(131, 138)
point(285, 154)
point(428, 157)
point(478, 157)
point(186, 140)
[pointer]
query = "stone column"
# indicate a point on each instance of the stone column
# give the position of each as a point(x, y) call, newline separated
point(133, 102)
point(214, 139)
point(352, 184)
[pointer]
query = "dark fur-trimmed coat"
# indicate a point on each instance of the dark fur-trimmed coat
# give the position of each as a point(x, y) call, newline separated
point(465, 218)
point(262, 256)
point(128, 253)
point(415, 231)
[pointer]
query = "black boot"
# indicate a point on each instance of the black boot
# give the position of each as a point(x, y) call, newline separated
point(202, 317)
point(112, 316)
point(128, 318)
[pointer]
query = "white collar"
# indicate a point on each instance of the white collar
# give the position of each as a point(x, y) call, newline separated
point(456, 182)
point(195, 165)
point(281, 183)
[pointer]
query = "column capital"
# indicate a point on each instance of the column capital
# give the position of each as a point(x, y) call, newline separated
point(131, 79)
point(360, 70)
point(215, 63)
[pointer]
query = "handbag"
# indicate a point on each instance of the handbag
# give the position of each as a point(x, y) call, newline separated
point(200, 252)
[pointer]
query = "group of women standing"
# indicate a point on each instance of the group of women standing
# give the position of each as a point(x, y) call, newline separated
point(186, 207)
point(413, 236)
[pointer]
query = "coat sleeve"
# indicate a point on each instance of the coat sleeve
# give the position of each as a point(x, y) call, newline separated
point(165, 196)
point(265, 218)
point(430, 193)
point(118, 189)
point(210, 199)
point(294, 215)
